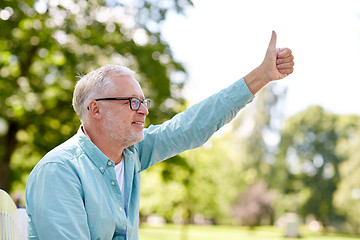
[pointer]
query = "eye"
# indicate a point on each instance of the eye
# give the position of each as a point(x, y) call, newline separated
point(134, 103)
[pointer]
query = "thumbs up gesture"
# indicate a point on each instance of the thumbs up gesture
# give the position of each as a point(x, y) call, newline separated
point(278, 63)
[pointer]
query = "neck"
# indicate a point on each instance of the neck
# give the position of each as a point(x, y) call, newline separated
point(111, 150)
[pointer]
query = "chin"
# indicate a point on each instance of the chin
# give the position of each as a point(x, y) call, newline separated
point(136, 137)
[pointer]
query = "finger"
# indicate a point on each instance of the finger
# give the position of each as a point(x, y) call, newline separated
point(272, 44)
point(284, 53)
point(285, 65)
point(285, 60)
point(286, 71)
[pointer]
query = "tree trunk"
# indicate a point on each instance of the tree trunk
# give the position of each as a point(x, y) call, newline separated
point(10, 148)
point(13, 129)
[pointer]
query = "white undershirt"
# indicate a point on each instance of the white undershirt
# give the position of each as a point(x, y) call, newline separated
point(119, 170)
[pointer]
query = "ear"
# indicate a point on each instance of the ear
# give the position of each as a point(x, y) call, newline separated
point(94, 109)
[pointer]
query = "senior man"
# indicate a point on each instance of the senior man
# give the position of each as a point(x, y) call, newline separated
point(89, 186)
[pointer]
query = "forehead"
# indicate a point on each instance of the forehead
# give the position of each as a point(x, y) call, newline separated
point(125, 86)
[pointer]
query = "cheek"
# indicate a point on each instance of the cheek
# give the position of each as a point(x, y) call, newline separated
point(118, 117)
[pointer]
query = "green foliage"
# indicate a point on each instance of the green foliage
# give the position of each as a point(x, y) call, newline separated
point(257, 130)
point(205, 181)
point(44, 44)
point(171, 232)
point(347, 195)
point(308, 164)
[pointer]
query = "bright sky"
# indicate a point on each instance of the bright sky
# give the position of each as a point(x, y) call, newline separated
point(221, 41)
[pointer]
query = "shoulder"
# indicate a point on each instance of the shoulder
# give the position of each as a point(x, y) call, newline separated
point(66, 154)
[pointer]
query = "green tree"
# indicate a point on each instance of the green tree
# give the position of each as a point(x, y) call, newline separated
point(307, 163)
point(204, 182)
point(347, 195)
point(208, 180)
point(258, 131)
point(44, 44)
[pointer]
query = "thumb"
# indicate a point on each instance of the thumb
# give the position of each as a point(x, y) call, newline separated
point(272, 44)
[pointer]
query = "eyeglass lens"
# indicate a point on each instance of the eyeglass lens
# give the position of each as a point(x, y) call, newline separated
point(135, 103)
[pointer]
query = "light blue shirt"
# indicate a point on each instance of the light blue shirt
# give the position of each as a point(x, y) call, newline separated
point(72, 193)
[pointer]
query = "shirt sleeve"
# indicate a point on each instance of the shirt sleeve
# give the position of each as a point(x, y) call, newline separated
point(193, 127)
point(54, 204)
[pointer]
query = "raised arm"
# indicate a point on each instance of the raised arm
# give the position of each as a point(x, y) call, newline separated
point(193, 127)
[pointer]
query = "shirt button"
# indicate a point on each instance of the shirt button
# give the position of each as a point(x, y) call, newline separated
point(120, 208)
point(113, 183)
point(109, 163)
point(101, 168)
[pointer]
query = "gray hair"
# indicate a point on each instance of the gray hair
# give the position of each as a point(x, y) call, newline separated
point(95, 84)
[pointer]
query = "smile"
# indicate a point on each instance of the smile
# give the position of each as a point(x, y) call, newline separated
point(139, 123)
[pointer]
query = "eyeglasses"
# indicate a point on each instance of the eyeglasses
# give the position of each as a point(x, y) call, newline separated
point(134, 102)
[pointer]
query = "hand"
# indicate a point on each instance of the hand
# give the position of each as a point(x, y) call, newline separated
point(277, 64)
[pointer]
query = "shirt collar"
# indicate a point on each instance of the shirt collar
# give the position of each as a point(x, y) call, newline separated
point(95, 154)
point(99, 159)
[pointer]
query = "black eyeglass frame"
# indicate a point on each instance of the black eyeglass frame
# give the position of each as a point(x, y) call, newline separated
point(145, 102)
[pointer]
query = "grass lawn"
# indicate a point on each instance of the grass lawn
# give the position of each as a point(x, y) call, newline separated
point(194, 232)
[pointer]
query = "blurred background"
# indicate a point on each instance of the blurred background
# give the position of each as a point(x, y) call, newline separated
point(290, 159)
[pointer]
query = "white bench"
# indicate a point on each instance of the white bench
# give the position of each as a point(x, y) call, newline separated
point(13, 220)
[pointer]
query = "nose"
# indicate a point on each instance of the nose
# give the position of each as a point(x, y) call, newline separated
point(143, 110)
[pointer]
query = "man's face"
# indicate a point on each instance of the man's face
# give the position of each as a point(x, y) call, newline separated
point(121, 124)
